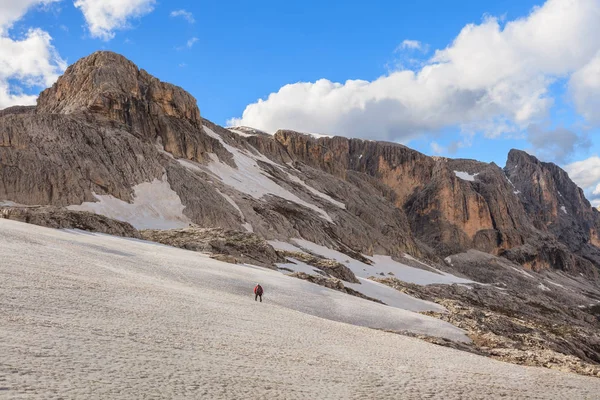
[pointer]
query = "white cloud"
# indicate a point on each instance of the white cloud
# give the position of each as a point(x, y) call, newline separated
point(556, 145)
point(410, 44)
point(184, 14)
point(585, 89)
point(12, 10)
point(103, 17)
point(492, 78)
point(586, 174)
point(25, 62)
point(437, 148)
point(190, 43)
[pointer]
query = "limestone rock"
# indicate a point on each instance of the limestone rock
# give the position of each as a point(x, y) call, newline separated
point(330, 267)
point(60, 218)
point(332, 283)
point(226, 245)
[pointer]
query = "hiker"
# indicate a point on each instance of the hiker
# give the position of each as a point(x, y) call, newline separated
point(258, 292)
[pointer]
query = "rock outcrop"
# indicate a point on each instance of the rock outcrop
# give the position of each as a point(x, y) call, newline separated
point(332, 283)
point(556, 205)
point(243, 247)
point(332, 268)
point(60, 218)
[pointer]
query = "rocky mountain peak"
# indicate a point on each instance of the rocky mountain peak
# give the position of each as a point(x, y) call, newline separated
point(109, 85)
point(554, 202)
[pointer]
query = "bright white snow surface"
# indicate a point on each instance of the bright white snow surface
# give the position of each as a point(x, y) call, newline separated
point(155, 206)
point(465, 176)
point(523, 272)
point(93, 316)
point(543, 287)
point(564, 209)
point(249, 178)
point(381, 265)
point(193, 269)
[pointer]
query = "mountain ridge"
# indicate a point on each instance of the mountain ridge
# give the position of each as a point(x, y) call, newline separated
point(107, 126)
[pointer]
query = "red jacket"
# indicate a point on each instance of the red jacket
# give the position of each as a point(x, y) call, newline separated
point(258, 290)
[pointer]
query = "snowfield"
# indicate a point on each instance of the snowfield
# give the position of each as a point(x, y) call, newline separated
point(249, 178)
point(155, 206)
point(465, 176)
point(93, 316)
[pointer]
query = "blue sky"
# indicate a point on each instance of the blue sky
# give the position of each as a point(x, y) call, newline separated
point(465, 79)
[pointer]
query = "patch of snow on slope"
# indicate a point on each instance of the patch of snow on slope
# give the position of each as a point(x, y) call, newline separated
point(233, 203)
point(522, 272)
point(564, 209)
point(382, 265)
point(314, 191)
point(318, 135)
point(242, 133)
point(245, 224)
point(249, 178)
point(190, 165)
point(554, 283)
point(248, 227)
point(465, 176)
point(543, 287)
point(393, 297)
point(226, 288)
point(284, 246)
point(7, 203)
point(298, 266)
point(155, 206)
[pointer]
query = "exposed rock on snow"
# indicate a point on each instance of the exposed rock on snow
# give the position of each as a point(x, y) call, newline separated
point(240, 247)
point(332, 283)
point(61, 218)
point(331, 268)
point(532, 329)
point(248, 177)
point(382, 265)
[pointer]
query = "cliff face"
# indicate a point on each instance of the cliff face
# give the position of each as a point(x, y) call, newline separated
point(107, 86)
point(111, 139)
point(555, 204)
point(456, 205)
point(449, 213)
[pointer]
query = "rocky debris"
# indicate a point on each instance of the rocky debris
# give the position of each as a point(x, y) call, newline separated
point(225, 245)
point(522, 327)
point(331, 267)
point(61, 218)
point(332, 283)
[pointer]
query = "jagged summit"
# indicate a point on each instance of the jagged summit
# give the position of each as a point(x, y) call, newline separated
point(108, 84)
